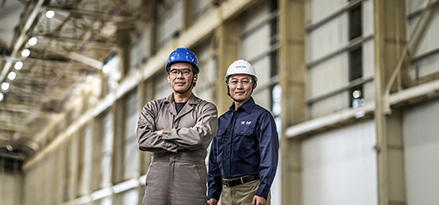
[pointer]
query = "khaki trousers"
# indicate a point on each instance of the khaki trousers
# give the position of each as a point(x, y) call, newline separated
point(240, 194)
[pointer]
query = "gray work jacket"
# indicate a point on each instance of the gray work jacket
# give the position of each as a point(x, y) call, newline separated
point(176, 176)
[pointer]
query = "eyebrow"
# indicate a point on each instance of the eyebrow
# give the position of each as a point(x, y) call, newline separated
point(181, 69)
point(243, 78)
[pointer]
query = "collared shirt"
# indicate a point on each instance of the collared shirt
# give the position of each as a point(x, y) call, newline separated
point(246, 143)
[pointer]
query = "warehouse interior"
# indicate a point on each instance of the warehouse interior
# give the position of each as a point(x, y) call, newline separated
point(352, 84)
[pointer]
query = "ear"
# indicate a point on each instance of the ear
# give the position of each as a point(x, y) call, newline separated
point(195, 77)
point(255, 85)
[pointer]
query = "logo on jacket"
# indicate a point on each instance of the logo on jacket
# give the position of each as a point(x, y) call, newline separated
point(246, 122)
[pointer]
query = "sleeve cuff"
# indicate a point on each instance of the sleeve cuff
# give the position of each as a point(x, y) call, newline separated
point(262, 193)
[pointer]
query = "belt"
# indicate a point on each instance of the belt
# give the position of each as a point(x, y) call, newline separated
point(240, 180)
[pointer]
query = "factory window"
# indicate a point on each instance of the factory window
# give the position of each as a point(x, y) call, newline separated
point(131, 113)
point(355, 23)
point(106, 126)
point(85, 165)
point(355, 57)
point(355, 64)
point(356, 72)
point(274, 28)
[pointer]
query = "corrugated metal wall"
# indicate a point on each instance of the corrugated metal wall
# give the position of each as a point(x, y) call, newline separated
point(339, 166)
point(421, 151)
point(328, 59)
point(10, 187)
point(256, 48)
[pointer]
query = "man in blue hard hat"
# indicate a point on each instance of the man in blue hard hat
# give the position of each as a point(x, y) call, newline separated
point(177, 131)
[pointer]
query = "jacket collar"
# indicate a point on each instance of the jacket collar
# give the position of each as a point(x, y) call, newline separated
point(247, 106)
point(193, 100)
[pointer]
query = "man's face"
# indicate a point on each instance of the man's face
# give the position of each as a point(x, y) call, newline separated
point(240, 87)
point(181, 77)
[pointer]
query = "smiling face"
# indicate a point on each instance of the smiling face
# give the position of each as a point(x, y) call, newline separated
point(240, 88)
point(181, 77)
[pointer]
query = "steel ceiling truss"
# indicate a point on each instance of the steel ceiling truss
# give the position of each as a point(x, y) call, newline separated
point(70, 46)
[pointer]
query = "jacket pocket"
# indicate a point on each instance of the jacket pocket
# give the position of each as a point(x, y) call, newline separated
point(245, 140)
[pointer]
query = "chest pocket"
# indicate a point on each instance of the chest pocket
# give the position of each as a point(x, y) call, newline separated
point(246, 139)
point(247, 130)
point(245, 133)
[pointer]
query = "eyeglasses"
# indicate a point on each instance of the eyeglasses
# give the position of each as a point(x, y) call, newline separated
point(176, 72)
point(243, 82)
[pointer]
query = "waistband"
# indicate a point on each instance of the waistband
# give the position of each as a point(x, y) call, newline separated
point(240, 180)
point(181, 156)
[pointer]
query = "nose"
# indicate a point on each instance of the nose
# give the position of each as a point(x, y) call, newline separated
point(240, 85)
point(179, 74)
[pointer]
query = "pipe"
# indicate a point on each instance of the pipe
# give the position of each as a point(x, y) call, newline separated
point(332, 119)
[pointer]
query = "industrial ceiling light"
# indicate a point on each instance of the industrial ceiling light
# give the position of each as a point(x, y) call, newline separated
point(106, 68)
point(18, 65)
point(5, 86)
point(1, 97)
point(12, 75)
point(33, 41)
point(50, 14)
point(25, 53)
point(356, 94)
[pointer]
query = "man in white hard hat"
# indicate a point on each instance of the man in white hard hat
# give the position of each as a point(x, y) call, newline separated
point(244, 152)
point(177, 130)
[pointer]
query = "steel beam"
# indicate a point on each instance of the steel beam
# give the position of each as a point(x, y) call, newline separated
point(228, 50)
point(389, 43)
point(292, 75)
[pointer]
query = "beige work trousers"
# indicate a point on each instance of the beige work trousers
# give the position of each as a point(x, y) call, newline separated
point(240, 194)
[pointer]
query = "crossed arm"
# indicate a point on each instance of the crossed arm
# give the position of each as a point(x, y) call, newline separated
point(174, 139)
point(160, 132)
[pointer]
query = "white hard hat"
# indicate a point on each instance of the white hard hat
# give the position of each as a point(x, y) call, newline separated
point(241, 67)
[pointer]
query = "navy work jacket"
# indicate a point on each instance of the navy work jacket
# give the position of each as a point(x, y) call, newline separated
point(246, 143)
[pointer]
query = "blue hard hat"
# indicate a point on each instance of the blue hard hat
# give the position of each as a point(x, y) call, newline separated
point(182, 55)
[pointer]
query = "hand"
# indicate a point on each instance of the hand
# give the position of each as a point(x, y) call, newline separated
point(159, 132)
point(258, 200)
point(212, 202)
point(198, 124)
